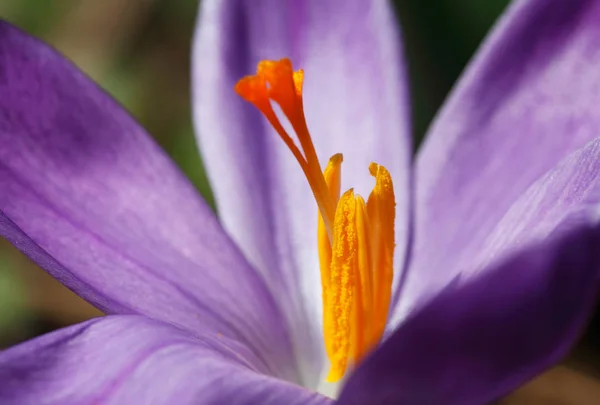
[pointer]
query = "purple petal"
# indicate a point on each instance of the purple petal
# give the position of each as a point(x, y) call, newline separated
point(529, 100)
point(136, 360)
point(480, 339)
point(355, 103)
point(86, 194)
point(542, 294)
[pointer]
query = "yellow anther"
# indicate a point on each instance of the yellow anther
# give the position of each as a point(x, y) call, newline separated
point(333, 178)
point(342, 279)
point(381, 209)
point(363, 337)
point(355, 240)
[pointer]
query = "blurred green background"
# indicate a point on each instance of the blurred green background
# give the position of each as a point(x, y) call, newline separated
point(138, 50)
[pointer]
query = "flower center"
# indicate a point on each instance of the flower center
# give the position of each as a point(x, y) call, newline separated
point(355, 239)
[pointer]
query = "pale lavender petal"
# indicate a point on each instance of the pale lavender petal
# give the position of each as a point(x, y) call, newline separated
point(86, 194)
point(135, 360)
point(529, 99)
point(355, 104)
point(481, 338)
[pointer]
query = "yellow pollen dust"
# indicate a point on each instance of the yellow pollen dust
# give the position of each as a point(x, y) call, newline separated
point(355, 238)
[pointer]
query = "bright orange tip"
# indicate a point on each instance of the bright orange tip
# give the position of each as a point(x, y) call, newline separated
point(355, 239)
point(298, 81)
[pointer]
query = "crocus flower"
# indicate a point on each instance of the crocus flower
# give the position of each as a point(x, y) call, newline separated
point(496, 222)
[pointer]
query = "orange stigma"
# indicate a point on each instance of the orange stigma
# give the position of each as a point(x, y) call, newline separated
point(355, 239)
